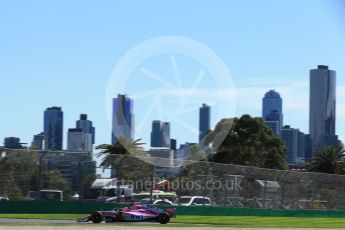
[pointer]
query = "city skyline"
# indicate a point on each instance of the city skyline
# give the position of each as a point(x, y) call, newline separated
point(53, 61)
point(271, 102)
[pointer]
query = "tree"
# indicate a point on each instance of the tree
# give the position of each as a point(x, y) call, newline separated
point(196, 163)
point(87, 183)
point(196, 154)
point(123, 147)
point(18, 173)
point(54, 180)
point(8, 184)
point(25, 174)
point(127, 157)
point(341, 148)
point(328, 160)
point(247, 142)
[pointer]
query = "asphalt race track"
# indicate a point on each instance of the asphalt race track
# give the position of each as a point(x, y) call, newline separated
point(35, 224)
point(8, 221)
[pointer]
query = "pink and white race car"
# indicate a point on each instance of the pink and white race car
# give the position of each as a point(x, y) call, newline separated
point(134, 213)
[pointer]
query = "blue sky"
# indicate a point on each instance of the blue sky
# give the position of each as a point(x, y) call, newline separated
point(63, 53)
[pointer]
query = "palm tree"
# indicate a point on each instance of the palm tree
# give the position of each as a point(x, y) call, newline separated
point(126, 156)
point(341, 149)
point(328, 160)
point(113, 153)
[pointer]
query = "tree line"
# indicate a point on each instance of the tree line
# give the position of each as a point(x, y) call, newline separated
point(243, 141)
point(19, 174)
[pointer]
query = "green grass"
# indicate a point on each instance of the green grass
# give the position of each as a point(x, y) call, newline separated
point(228, 221)
point(258, 221)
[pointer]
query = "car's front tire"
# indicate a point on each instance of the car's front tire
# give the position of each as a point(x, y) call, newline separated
point(163, 218)
point(97, 217)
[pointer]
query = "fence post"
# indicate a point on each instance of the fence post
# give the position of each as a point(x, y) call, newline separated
point(179, 190)
point(226, 190)
point(39, 169)
point(312, 194)
point(152, 178)
point(81, 185)
point(265, 190)
point(205, 183)
point(282, 194)
point(118, 183)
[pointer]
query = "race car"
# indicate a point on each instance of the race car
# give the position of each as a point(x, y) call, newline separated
point(134, 213)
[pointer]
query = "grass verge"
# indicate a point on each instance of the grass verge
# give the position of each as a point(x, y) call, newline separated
point(258, 221)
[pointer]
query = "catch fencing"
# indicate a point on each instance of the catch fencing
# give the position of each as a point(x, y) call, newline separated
point(225, 185)
point(232, 185)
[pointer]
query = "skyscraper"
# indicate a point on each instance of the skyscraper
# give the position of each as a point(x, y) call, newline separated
point(272, 111)
point(165, 134)
point(156, 134)
point(160, 134)
point(290, 137)
point(322, 107)
point(204, 122)
point(173, 144)
point(53, 128)
point(123, 118)
point(86, 126)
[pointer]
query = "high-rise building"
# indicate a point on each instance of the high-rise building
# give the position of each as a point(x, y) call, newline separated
point(86, 126)
point(74, 167)
point(294, 141)
point(38, 141)
point(12, 143)
point(271, 101)
point(322, 102)
point(156, 136)
point(53, 128)
point(272, 109)
point(160, 134)
point(301, 156)
point(123, 118)
point(290, 137)
point(165, 158)
point(308, 148)
point(173, 144)
point(77, 140)
point(165, 134)
point(204, 122)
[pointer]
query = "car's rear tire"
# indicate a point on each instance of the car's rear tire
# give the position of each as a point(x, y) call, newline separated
point(97, 217)
point(163, 218)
